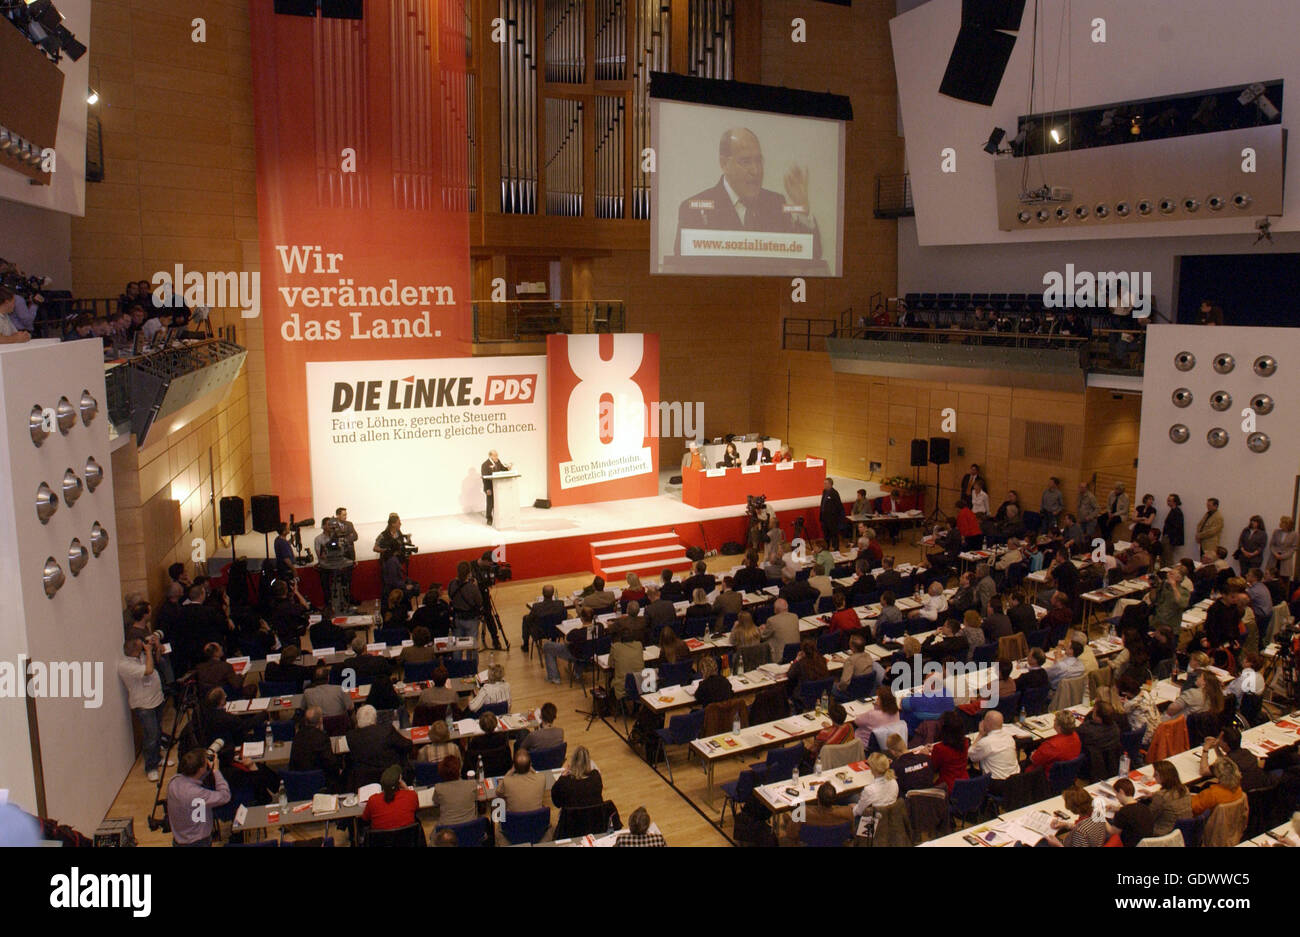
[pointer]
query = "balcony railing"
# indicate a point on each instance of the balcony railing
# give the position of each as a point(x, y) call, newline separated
point(894, 196)
point(523, 320)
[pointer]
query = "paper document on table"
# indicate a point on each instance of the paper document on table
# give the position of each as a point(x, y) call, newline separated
point(259, 704)
point(466, 726)
point(365, 793)
point(251, 750)
point(322, 804)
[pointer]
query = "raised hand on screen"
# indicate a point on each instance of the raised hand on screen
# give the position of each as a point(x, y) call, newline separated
point(796, 187)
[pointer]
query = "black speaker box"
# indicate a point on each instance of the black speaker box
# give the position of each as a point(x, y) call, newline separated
point(542, 503)
point(232, 517)
point(939, 452)
point(266, 513)
point(995, 14)
point(920, 453)
point(978, 62)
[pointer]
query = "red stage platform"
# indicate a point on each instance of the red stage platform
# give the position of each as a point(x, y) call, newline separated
point(716, 488)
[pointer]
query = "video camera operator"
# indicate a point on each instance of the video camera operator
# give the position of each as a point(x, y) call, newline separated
point(398, 588)
point(466, 603)
point(333, 562)
point(391, 537)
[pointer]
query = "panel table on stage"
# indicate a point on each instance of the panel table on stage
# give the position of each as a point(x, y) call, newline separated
point(712, 452)
point(716, 488)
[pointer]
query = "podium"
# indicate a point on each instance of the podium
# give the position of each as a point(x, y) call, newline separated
point(505, 499)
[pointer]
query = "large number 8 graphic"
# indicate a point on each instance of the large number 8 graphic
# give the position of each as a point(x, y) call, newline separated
point(596, 378)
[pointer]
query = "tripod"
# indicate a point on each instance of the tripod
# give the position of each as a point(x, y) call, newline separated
point(490, 615)
point(185, 700)
point(936, 514)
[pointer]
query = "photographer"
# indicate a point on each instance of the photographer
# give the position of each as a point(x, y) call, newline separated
point(466, 603)
point(486, 572)
point(10, 334)
point(391, 537)
point(333, 562)
point(187, 788)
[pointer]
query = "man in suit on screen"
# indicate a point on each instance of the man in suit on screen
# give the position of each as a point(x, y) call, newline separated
point(740, 203)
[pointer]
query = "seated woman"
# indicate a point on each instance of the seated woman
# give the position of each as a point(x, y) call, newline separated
point(885, 713)
point(808, 665)
point(948, 756)
point(439, 746)
point(580, 784)
point(1172, 802)
point(749, 644)
point(730, 457)
point(713, 687)
point(821, 812)
point(837, 733)
point(700, 606)
point(1226, 788)
point(1084, 831)
point(822, 558)
point(455, 798)
point(632, 592)
point(881, 790)
point(394, 806)
point(672, 649)
point(1065, 745)
point(784, 454)
point(496, 690)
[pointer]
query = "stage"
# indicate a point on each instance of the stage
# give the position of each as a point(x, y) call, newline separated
point(555, 541)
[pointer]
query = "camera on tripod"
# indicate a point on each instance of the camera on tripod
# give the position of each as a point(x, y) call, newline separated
point(408, 549)
point(489, 572)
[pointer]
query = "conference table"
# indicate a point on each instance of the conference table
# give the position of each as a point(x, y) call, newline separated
point(779, 481)
point(1026, 824)
point(713, 452)
point(331, 656)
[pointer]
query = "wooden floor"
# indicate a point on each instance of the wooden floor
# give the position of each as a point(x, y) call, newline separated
point(628, 780)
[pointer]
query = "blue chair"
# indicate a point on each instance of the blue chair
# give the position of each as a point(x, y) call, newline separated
point(761, 613)
point(393, 637)
point(780, 764)
point(1063, 773)
point(893, 630)
point(476, 832)
point(837, 835)
point(282, 730)
point(825, 604)
point(530, 826)
point(1192, 828)
point(832, 643)
point(500, 709)
point(548, 627)
point(1131, 742)
point(1035, 700)
point(695, 626)
point(790, 653)
point(545, 759)
point(736, 792)
point(269, 688)
point(302, 785)
point(401, 838)
point(985, 653)
point(803, 575)
point(1039, 639)
point(631, 696)
point(1009, 707)
point(416, 672)
point(810, 691)
point(460, 668)
point(681, 730)
point(802, 609)
point(678, 674)
point(917, 625)
point(968, 796)
point(729, 622)
point(922, 707)
point(859, 687)
point(426, 774)
point(316, 842)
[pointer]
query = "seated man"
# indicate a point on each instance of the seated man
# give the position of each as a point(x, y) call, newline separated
point(1069, 666)
point(325, 634)
point(311, 750)
point(522, 788)
point(555, 651)
point(364, 667)
point(331, 698)
point(372, 748)
point(287, 669)
point(215, 671)
point(599, 599)
point(889, 578)
point(795, 591)
point(859, 664)
point(547, 735)
point(632, 625)
point(548, 609)
point(702, 579)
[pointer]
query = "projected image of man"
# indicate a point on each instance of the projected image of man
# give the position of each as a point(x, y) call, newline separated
point(738, 202)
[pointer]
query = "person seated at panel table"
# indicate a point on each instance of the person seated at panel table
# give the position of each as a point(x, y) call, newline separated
point(433, 614)
point(861, 506)
point(784, 454)
point(822, 812)
point(632, 592)
point(884, 713)
point(730, 456)
point(838, 732)
point(496, 690)
point(823, 559)
point(760, 454)
point(659, 612)
point(522, 788)
point(795, 591)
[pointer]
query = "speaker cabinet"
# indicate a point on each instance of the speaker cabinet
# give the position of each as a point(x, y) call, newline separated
point(266, 513)
point(939, 452)
point(920, 453)
point(232, 517)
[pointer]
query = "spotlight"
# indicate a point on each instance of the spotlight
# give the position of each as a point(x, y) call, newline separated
point(995, 141)
point(1265, 366)
point(78, 556)
point(1056, 135)
point(1220, 400)
point(93, 98)
point(1102, 210)
point(52, 576)
point(1122, 209)
point(1217, 437)
point(1082, 212)
point(1135, 126)
point(1223, 364)
point(1215, 202)
point(1257, 442)
point(1262, 404)
point(1179, 433)
point(1145, 206)
point(98, 538)
point(1024, 217)
point(1242, 200)
point(1167, 206)
point(1191, 205)
point(1184, 361)
point(1182, 397)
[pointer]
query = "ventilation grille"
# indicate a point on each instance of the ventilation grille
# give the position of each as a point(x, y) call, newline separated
point(1044, 442)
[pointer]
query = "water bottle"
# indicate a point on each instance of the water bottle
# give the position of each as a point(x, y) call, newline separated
point(817, 765)
point(480, 767)
point(735, 725)
point(740, 664)
point(282, 797)
point(1124, 765)
point(270, 738)
point(451, 723)
point(794, 776)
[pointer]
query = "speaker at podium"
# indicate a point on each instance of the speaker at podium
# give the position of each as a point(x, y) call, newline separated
point(505, 499)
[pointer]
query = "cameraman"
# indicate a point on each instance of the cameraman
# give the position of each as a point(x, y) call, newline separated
point(186, 789)
point(332, 561)
point(391, 537)
point(347, 533)
point(392, 569)
point(466, 603)
point(10, 333)
point(486, 572)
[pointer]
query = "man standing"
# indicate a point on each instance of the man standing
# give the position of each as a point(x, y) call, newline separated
point(831, 513)
point(466, 602)
point(138, 672)
point(1089, 510)
point(1209, 527)
point(491, 465)
point(1172, 534)
point(1053, 503)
